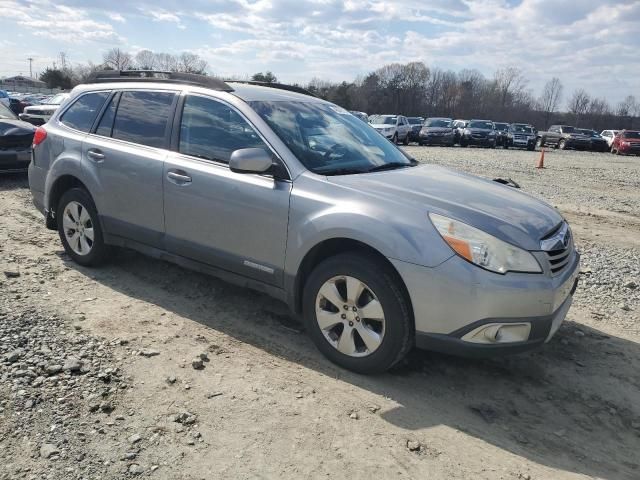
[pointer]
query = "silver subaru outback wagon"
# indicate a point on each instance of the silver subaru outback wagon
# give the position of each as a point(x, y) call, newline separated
point(291, 195)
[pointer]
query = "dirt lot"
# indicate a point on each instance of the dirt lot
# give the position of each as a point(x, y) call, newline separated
point(96, 375)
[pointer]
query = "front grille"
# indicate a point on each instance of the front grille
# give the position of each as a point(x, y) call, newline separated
point(37, 112)
point(562, 250)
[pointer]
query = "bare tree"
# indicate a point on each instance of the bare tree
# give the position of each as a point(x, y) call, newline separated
point(578, 104)
point(550, 99)
point(191, 63)
point(166, 61)
point(509, 84)
point(117, 59)
point(627, 109)
point(145, 60)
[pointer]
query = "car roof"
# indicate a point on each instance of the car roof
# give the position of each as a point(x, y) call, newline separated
point(263, 93)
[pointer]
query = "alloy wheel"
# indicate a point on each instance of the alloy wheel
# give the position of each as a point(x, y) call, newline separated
point(78, 228)
point(350, 316)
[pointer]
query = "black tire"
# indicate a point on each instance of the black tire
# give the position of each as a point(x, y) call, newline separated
point(99, 250)
point(406, 140)
point(463, 144)
point(399, 333)
point(394, 139)
point(505, 146)
point(420, 143)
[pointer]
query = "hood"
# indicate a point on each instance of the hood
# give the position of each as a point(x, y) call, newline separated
point(479, 130)
point(502, 211)
point(43, 107)
point(437, 129)
point(10, 127)
point(380, 126)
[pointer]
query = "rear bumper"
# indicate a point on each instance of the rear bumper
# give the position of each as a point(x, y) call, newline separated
point(457, 304)
point(14, 160)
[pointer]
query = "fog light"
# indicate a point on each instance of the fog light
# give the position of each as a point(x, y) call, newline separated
point(494, 333)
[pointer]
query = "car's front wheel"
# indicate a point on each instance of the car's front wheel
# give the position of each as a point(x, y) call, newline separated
point(79, 228)
point(357, 314)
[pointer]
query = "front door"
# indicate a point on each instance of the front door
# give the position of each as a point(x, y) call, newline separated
point(237, 222)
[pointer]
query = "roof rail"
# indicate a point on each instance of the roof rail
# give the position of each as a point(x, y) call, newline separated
point(279, 86)
point(159, 76)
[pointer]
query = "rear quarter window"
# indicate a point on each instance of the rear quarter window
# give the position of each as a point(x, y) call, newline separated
point(82, 113)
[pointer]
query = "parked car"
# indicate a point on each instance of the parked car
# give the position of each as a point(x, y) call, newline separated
point(437, 131)
point(4, 98)
point(458, 128)
point(361, 115)
point(416, 126)
point(609, 135)
point(479, 132)
point(521, 135)
point(502, 134)
point(40, 114)
point(626, 142)
point(563, 137)
point(375, 252)
point(17, 104)
point(597, 143)
point(394, 127)
point(16, 138)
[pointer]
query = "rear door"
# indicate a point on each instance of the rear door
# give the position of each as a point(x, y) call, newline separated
point(124, 157)
point(237, 222)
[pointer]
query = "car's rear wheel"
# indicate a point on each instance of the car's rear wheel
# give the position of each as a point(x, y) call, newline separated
point(357, 314)
point(79, 228)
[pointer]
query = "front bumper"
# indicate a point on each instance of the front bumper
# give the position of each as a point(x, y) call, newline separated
point(14, 160)
point(480, 141)
point(455, 302)
point(436, 139)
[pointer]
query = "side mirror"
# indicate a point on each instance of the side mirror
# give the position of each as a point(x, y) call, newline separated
point(250, 160)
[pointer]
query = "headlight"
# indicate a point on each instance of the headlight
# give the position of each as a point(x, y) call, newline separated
point(483, 249)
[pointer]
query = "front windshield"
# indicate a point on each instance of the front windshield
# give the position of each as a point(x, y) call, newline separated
point(56, 99)
point(327, 139)
point(6, 113)
point(501, 126)
point(522, 129)
point(481, 124)
point(568, 130)
point(415, 120)
point(437, 122)
point(383, 120)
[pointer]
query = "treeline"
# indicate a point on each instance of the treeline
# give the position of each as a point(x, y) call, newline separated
point(411, 89)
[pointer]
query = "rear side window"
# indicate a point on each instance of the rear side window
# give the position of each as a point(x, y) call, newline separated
point(82, 114)
point(142, 117)
point(212, 130)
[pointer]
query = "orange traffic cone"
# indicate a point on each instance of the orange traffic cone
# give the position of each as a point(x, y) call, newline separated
point(540, 163)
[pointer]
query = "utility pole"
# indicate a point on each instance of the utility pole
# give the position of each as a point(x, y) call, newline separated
point(30, 70)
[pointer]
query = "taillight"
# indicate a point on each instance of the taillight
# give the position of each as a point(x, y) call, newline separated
point(39, 136)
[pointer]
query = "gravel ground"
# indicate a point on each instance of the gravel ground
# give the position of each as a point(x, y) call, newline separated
point(141, 369)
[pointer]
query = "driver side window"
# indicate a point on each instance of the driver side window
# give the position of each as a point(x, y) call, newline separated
point(211, 130)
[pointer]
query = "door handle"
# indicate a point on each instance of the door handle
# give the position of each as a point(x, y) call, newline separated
point(95, 154)
point(179, 177)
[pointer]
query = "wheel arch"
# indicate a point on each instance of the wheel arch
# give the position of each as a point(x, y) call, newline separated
point(331, 247)
point(61, 185)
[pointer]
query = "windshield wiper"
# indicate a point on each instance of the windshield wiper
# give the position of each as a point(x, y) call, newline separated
point(343, 171)
point(391, 166)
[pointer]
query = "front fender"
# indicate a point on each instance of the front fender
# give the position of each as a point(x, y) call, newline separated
point(396, 231)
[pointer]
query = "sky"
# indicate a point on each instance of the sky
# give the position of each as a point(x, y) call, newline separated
point(588, 44)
